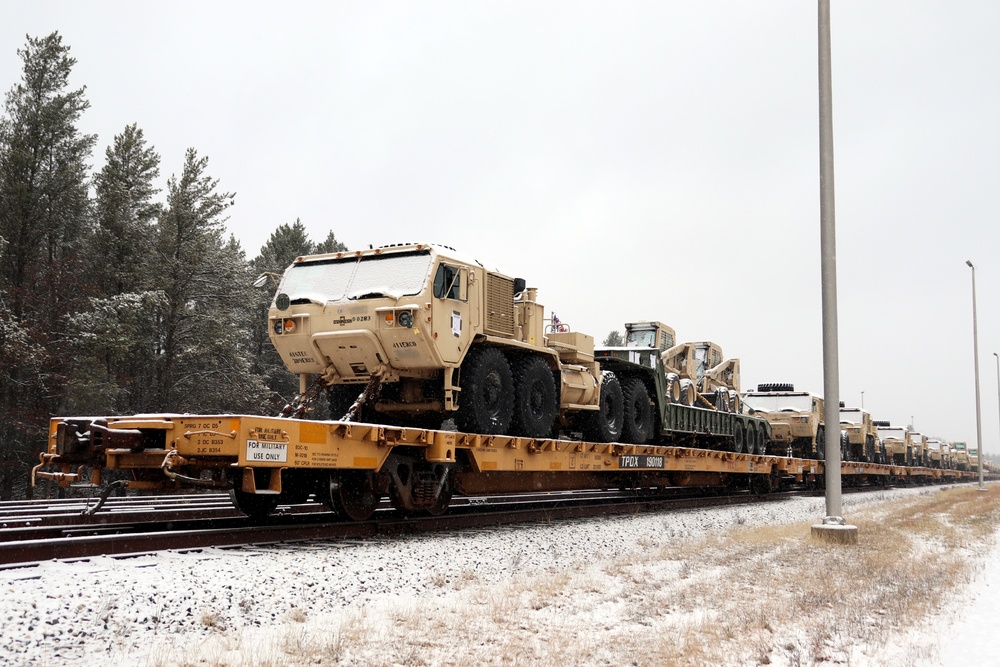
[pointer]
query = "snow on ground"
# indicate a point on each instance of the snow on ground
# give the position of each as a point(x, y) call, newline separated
point(318, 603)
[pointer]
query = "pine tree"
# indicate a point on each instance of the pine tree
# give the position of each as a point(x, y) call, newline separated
point(331, 244)
point(43, 182)
point(285, 244)
point(125, 212)
point(614, 339)
point(114, 341)
point(202, 359)
point(45, 221)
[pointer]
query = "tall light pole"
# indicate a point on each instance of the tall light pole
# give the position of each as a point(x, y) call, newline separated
point(862, 400)
point(833, 527)
point(975, 349)
point(998, 378)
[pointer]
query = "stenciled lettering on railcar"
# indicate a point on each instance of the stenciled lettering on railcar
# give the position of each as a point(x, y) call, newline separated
point(632, 461)
point(267, 452)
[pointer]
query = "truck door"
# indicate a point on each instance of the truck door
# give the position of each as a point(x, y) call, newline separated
point(452, 324)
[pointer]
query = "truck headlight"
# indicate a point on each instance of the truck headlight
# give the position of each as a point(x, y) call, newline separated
point(405, 319)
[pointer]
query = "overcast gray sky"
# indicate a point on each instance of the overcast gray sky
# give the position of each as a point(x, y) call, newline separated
point(633, 160)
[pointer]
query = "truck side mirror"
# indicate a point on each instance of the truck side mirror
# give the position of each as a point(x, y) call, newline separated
point(519, 285)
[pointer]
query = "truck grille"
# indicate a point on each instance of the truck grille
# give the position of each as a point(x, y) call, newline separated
point(499, 306)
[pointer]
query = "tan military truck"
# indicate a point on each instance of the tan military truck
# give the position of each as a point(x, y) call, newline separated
point(898, 446)
point(796, 419)
point(935, 453)
point(862, 435)
point(973, 459)
point(960, 455)
point(433, 334)
point(946, 456)
point(919, 443)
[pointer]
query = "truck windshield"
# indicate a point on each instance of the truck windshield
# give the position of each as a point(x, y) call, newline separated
point(640, 338)
point(779, 402)
point(851, 417)
point(395, 275)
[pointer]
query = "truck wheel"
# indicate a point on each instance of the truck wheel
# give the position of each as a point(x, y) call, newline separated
point(869, 449)
point(820, 444)
point(605, 425)
point(486, 401)
point(845, 448)
point(739, 438)
point(535, 404)
point(638, 423)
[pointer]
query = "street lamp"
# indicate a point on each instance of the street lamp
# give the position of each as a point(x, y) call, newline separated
point(998, 381)
point(975, 349)
point(862, 400)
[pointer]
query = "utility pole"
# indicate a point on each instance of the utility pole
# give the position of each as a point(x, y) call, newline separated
point(833, 528)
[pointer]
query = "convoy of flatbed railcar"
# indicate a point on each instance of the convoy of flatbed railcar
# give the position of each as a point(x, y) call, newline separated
point(445, 377)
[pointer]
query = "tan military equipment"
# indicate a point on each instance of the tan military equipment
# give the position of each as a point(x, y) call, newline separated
point(697, 373)
point(862, 435)
point(960, 455)
point(919, 443)
point(935, 453)
point(898, 446)
point(437, 335)
point(796, 419)
point(973, 459)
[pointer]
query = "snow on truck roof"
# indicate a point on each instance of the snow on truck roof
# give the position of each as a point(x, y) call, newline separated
point(395, 248)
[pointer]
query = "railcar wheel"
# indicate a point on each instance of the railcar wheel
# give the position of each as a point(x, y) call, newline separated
point(351, 494)
point(535, 403)
point(638, 422)
point(739, 438)
point(486, 402)
point(257, 506)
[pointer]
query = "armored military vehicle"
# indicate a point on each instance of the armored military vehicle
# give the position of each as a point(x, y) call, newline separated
point(414, 333)
point(796, 419)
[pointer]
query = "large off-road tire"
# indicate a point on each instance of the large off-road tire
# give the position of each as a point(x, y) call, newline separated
point(535, 402)
point(870, 453)
point(689, 393)
point(739, 438)
point(486, 402)
point(845, 448)
point(820, 444)
point(605, 425)
point(638, 423)
point(776, 386)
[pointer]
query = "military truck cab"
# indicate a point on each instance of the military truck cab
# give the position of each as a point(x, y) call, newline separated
point(898, 446)
point(960, 455)
point(862, 436)
point(796, 419)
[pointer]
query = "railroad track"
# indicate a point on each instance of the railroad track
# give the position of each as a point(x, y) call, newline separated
point(67, 536)
point(135, 526)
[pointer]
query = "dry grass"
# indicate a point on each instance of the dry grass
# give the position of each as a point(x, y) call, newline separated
point(751, 596)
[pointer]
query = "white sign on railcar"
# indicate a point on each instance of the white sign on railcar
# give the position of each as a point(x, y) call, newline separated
point(267, 452)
